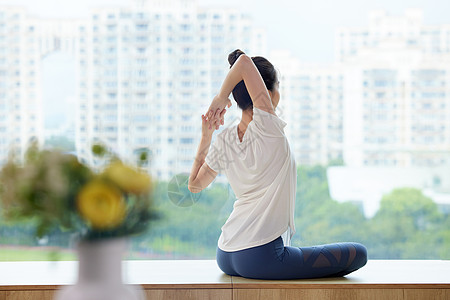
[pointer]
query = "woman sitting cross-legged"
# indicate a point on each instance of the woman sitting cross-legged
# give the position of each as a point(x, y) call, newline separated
point(255, 157)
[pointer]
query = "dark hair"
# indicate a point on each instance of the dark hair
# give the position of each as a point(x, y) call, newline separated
point(268, 74)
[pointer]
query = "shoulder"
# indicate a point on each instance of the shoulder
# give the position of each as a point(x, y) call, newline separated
point(226, 132)
point(268, 123)
point(264, 114)
point(223, 136)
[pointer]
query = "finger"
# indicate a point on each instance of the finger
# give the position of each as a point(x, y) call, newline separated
point(222, 113)
point(229, 103)
point(211, 114)
point(217, 114)
point(219, 122)
point(215, 123)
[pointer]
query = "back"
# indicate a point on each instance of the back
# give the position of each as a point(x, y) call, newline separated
point(262, 173)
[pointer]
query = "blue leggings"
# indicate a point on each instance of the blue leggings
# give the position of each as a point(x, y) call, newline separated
point(275, 261)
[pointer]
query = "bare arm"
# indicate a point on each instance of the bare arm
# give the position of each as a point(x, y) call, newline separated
point(201, 174)
point(244, 69)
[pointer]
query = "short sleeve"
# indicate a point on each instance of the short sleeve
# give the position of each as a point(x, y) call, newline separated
point(267, 123)
point(214, 157)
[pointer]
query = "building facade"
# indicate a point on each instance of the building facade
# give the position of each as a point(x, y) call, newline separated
point(144, 75)
point(312, 105)
point(396, 92)
point(385, 102)
point(147, 73)
point(20, 88)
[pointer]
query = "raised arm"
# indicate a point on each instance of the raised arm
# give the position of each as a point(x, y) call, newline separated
point(244, 69)
point(201, 174)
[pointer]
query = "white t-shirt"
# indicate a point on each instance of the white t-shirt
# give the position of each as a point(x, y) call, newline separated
point(262, 172)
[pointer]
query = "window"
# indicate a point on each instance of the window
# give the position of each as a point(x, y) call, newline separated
point(133, 78)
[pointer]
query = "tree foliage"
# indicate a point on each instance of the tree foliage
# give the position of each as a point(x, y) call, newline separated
point(408, 224)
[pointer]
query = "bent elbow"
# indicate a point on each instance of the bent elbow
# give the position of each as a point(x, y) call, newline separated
point(245, 64)
point(244, 59)
point(194, 189)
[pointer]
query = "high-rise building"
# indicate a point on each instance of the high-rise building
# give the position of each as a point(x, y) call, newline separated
point(396, 92)
point(311, 104)
point(383, 31)
point(144, 76)
point(20, 93)
point(147, 73)
point(385, 102)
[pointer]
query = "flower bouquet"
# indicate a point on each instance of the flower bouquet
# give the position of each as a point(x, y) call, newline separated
point(101, 206)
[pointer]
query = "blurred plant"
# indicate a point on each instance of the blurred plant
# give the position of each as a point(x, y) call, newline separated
point(57, 191)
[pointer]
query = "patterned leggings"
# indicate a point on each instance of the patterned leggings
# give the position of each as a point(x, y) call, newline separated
point(275, 261)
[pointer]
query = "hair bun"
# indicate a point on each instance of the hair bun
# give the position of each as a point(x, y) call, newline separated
point(233, 56)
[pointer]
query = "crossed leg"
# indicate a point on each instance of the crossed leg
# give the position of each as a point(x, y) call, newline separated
point(275, 261)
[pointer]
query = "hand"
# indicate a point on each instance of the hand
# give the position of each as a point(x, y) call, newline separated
point(209, 123)
point(217, 110)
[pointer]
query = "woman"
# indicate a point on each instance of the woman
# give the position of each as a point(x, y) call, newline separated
point(256, 158)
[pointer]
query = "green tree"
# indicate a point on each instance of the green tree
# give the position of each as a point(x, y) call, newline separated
point(189, 231)
point(320, 219)
point(407, 225)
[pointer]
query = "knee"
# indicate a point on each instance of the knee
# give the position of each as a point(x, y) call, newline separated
point(361, 255)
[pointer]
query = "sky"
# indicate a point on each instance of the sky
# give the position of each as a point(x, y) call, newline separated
point(304, 27)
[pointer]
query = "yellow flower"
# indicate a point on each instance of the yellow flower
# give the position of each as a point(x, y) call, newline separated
point(127, 178)
point(101, 205)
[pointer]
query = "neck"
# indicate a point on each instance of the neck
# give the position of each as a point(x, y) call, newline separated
point(247, 117)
